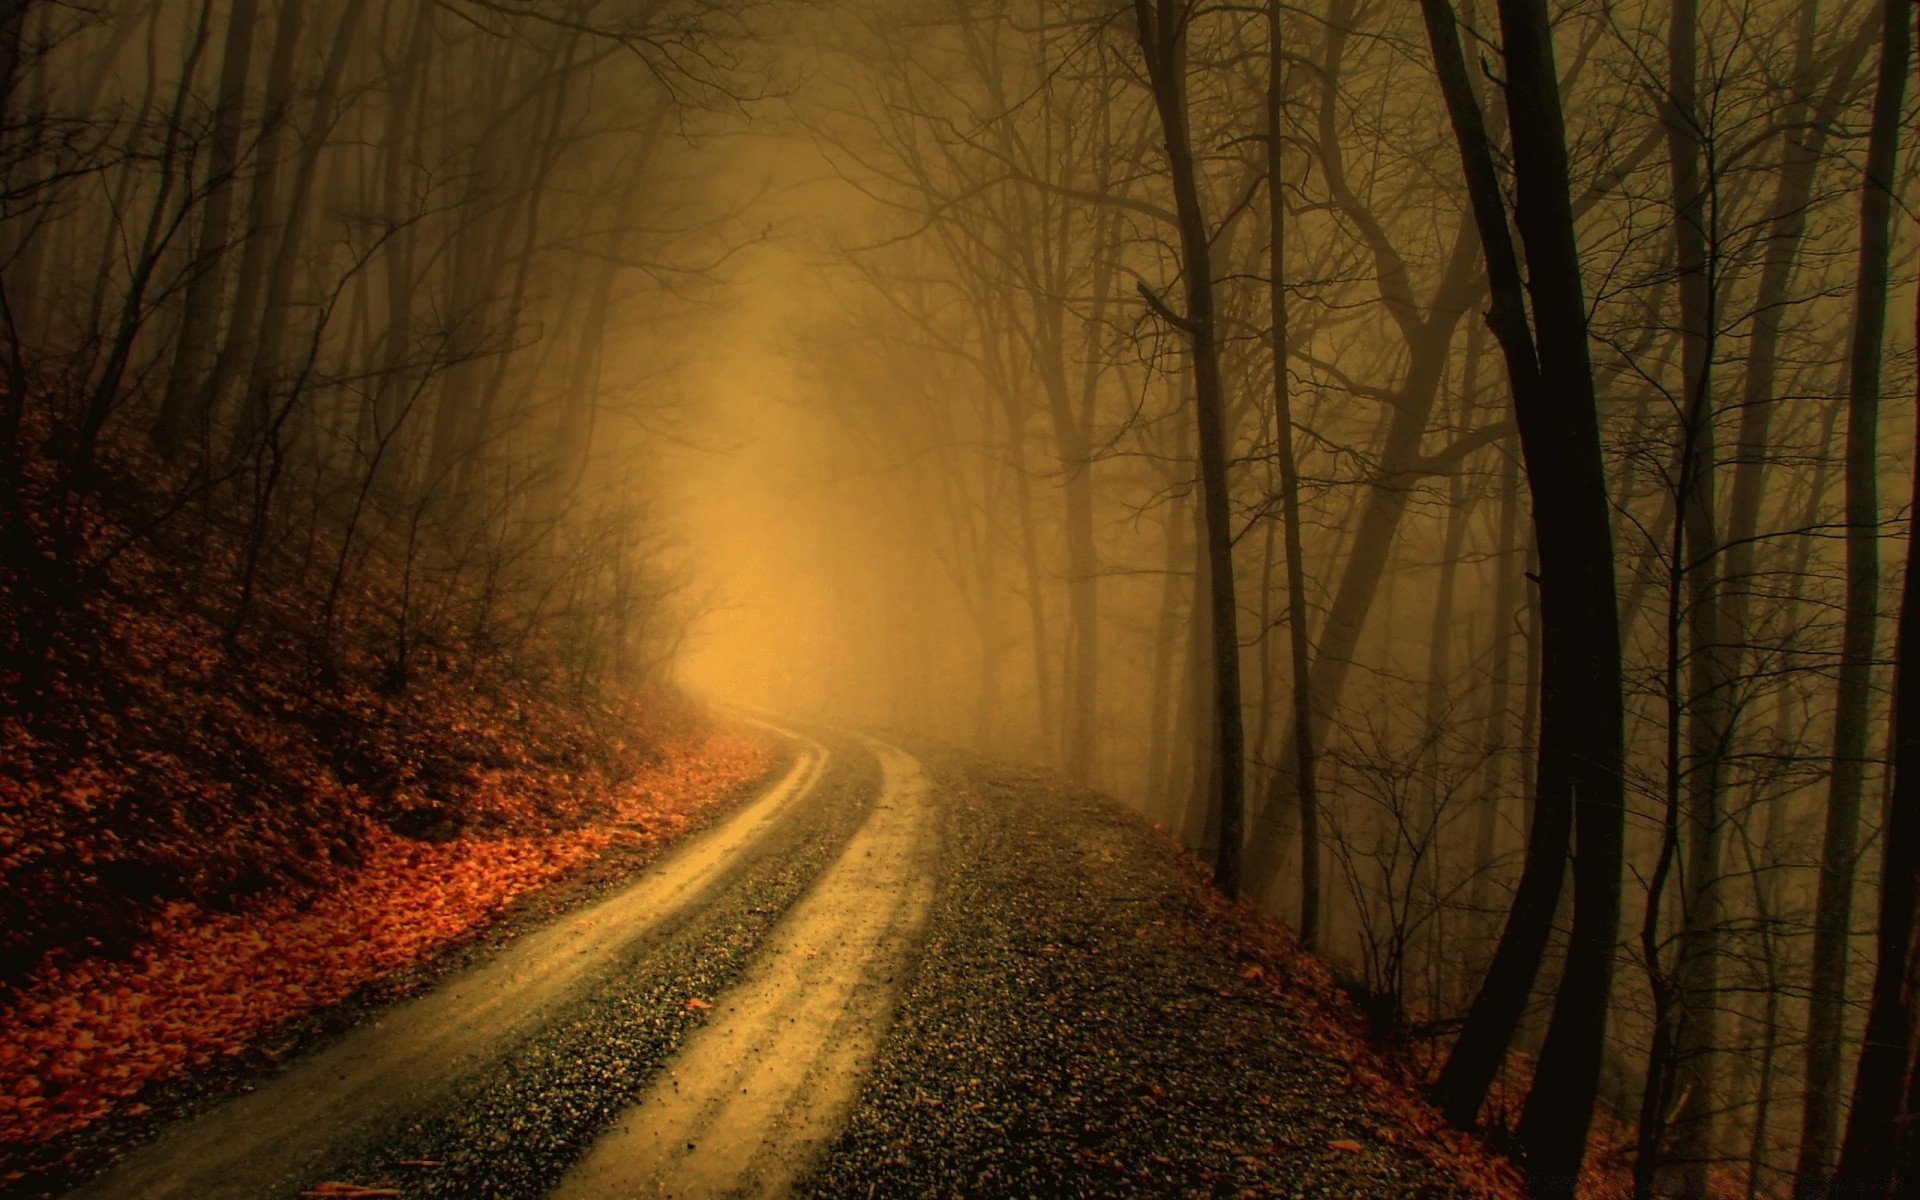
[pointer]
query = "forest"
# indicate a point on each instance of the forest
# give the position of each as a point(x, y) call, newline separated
point(1449, 465)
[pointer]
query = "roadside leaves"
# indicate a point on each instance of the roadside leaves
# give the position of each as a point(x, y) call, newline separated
point(79, 1040)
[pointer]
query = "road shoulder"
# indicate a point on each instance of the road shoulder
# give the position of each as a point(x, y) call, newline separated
point(1079, 1023)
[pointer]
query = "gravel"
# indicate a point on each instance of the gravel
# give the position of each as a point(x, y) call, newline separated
point(512, 1129)
point(1075, 1026)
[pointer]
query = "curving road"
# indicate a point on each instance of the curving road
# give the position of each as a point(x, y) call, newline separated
point(756, 1095)
point(268, 1141)
point(880, 977)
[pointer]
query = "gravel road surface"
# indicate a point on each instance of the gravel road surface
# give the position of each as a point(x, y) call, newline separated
point(1076, 1026)
point(887, 976)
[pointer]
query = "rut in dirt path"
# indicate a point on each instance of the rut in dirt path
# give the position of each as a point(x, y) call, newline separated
point(748, 1105)
point(253, 1145)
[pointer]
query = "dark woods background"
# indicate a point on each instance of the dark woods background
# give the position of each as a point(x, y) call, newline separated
point(1534, 619)
point(356, 290)
point(333, 338)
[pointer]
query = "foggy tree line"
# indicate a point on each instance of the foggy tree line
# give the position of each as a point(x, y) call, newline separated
point(356, 291)
point(1458, 451)
point(1397, 445)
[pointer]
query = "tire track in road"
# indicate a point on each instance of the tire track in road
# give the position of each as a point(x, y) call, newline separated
point(258, 1144)
point(756, 1094)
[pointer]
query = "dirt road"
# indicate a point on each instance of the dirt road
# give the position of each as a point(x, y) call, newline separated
point(382, 1072)
point(748, 1104)
point(882, 977)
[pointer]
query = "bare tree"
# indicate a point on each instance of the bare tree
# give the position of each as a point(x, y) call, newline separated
point(1161, 29)
point(1834, 906)
point(1554, 406)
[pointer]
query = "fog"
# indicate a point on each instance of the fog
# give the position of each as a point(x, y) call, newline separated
point(959, 492)
point(1385, 457)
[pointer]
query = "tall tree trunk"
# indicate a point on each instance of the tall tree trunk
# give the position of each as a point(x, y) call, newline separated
point(993, 351)
point(573, 430)
point(474, 466)
point(1084, 745)
point(1579, 602)
point(1494, 1015)
point(1400, 467)
point(1166, 698)
point(1498, 721)
point(1082, 668)
point(1198, 767)
point(1161, 27)
point(1882, 1116)
point(1805, 126)
point(17, 286)
point(1811, 113)
point(183, 410)
point(398, 385)
point(1299, 656)
point(1709, 715)
point(1852, 716)
point(1551, 377)
point(475, 260)
point(33, 173)
point(1453, 540)
point(258, 245)
point(276, 314)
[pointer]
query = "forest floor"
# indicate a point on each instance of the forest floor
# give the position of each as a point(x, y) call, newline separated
point(885, 976)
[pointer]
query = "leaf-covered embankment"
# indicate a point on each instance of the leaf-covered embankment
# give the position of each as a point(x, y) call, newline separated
point(210, 826)
point(80, 1040)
